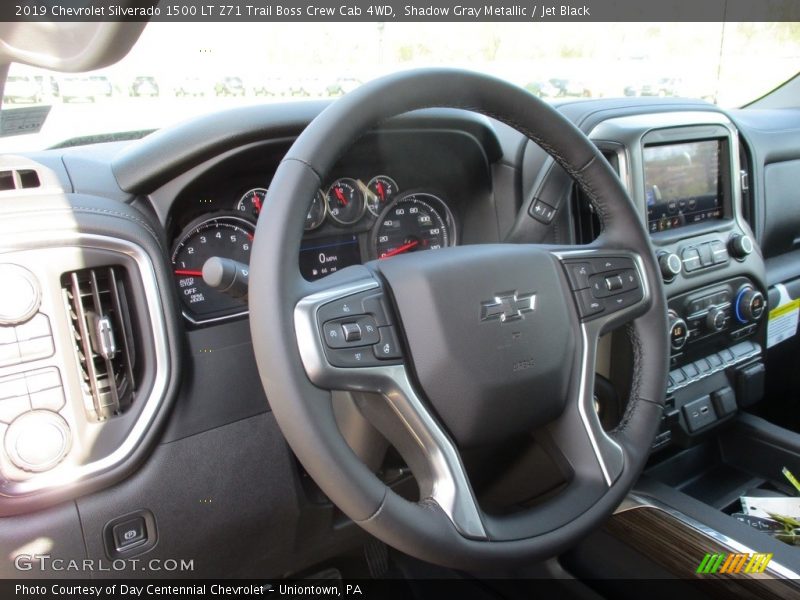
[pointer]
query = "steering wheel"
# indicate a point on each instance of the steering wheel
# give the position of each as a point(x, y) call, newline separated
point(460, 347)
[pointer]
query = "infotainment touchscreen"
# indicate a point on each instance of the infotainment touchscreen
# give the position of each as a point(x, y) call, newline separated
point(682, 184)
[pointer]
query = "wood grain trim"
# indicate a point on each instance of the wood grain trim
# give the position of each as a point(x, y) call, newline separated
point(679, 549)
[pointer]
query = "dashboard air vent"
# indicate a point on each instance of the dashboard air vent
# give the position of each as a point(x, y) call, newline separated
point(586, 223)
point(19, 179)
point(101, 320)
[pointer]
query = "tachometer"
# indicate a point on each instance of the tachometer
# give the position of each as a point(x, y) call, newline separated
point(225, 236)
point(414, 222)
point(345, 201)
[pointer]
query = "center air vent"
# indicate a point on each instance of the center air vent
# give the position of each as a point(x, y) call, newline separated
point(102, 332)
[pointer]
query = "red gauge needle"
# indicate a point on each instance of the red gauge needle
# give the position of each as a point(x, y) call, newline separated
point(381, 192)
point(188, 272)
point(340, 195)
point(257, 203)
point(400, 249)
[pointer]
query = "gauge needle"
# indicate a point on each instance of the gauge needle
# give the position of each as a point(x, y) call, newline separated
point(188, 272)
point(340, 195)
point(381, 192)
point(400, 249)
point(257, 203)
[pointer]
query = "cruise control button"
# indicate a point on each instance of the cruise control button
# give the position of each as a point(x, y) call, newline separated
point(352, 357)
point(578, 275)
point(630, 280)
point(588, 305)
point(388, 347)
point(605, 264)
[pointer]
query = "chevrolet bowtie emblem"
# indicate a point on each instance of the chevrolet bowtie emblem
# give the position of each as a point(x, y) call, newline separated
point(508, 306)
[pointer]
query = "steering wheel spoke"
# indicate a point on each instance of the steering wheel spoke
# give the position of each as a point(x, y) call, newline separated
point(348, 341)
point(608, 289)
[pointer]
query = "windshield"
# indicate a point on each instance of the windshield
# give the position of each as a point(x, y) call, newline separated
point(177, 70)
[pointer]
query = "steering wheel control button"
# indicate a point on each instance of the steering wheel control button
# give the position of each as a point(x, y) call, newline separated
point(37, 440)
point(388, 348)
point(352, 357)
point(578, 275)
point(21, 295)
point(351, 332)
point(129, 534)
point(614, 283)
point(359, 330)
point(588, 305)
point(542, 212)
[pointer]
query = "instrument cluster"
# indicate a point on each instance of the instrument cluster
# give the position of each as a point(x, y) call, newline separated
point(349, 222)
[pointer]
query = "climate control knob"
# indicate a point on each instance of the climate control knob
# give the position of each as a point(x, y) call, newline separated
point(715, 320)
point(678, 331)
point(670, 265)
point(740, 245)
point(750, 305)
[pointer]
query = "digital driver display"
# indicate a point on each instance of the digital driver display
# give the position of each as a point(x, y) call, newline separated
point(682, 184)
point(323, 256)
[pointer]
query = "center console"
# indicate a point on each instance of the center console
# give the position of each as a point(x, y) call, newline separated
point(682, 170)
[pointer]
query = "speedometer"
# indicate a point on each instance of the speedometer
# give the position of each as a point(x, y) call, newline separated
point(414, 222)
point(223, 236)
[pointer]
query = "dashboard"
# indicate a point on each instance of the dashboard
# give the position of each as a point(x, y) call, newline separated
point(156, 210)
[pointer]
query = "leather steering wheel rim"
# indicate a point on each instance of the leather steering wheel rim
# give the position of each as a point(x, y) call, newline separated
point(304, 410)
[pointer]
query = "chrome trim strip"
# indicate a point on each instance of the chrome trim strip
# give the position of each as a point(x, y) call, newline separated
point(635, 501)
point(449, 485)
point(67, 475)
